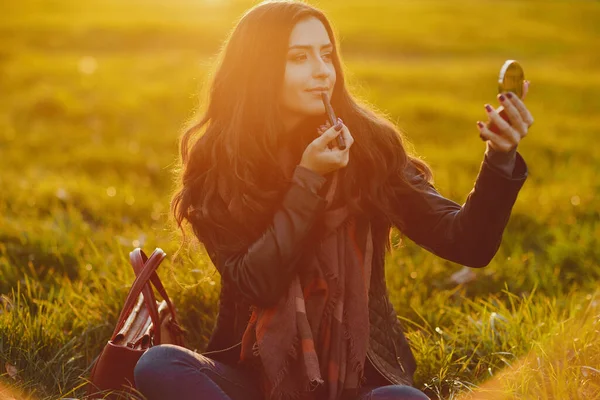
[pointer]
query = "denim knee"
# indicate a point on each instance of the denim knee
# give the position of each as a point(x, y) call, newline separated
point(172, 372)
point(155, 365)
point(397, 392)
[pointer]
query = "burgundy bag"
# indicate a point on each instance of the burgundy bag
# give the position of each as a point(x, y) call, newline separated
point(135, 331)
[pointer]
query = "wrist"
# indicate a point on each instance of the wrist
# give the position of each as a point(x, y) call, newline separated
point(308, 178)
point(500, 160)
point(311, 169)
point(499, 154)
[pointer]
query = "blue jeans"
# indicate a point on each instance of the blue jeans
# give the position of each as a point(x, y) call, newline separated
point(173, 372)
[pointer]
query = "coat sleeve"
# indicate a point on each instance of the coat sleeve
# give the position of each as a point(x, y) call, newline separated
point(500, 161)
point(468, 234)
point(262, 272)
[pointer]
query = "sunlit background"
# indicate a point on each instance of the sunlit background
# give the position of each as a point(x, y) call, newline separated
point(93, 96)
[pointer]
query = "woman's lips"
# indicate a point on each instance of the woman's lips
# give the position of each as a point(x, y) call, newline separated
point(317, 93)
point(318, 89)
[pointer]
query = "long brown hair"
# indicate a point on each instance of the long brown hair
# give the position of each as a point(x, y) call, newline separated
point(230, 178)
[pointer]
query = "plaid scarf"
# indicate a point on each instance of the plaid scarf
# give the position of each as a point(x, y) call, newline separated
point(313, 343)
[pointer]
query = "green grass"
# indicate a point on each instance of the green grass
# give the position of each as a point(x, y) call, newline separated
point(89, 120)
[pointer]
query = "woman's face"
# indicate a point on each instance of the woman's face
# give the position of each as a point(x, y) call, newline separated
point(309, 70)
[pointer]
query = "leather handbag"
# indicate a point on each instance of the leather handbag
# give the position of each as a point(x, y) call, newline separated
point(136, 329)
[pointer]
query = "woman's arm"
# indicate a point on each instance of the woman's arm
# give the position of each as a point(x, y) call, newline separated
point(469, 234)
point(262, 272)
point(501, 161)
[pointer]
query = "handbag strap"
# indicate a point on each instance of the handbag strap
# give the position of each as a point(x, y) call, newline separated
point(138, 259)
point(140, 281)
point(154, 279)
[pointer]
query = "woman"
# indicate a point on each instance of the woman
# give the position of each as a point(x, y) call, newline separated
point(298, 227)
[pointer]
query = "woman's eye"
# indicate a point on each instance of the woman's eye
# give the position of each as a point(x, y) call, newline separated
point(302, 57)
point(299, 57)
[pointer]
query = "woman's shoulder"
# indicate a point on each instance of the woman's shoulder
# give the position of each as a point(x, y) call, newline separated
point(417, 171)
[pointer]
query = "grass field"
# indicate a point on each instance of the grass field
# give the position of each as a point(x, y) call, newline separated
point(94, 95)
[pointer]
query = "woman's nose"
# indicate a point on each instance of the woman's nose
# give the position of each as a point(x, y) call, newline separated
point(321, 69)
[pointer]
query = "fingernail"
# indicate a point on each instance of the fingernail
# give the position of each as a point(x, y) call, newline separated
point(488, 108)
point(502, 98)
point(338, 126)
point(509, 95)
point(480, 124)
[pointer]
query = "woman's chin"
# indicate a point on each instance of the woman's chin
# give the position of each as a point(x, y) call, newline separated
point(317, 109)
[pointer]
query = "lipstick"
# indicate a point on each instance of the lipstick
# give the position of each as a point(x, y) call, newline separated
point(332, 119)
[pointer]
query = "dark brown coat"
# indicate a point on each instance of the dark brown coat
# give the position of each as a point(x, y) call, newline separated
point(469, 235)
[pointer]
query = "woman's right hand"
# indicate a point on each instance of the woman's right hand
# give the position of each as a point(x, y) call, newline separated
point(321, 159)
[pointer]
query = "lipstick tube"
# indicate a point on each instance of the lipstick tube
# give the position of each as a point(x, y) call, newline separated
point(332, 119)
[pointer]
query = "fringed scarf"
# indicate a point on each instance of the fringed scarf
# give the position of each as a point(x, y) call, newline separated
point(315, 339)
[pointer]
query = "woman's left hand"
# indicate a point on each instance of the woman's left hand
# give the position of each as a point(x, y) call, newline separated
point(510, 133)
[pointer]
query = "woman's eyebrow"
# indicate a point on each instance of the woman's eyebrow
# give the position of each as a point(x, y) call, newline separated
point(304, 46)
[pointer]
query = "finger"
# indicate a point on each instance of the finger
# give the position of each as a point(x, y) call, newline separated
point(505, 129)
point(348, 138)
point(321, 129)
point(345, 157)
point(328, 136)
point(522, 109)
point(516, 120)
point(525, 89)
point(497, 142)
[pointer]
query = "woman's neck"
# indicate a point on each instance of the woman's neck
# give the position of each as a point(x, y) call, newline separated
point(302, 129)
point(292, 123)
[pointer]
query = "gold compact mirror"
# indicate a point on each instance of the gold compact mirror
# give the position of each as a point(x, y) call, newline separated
point(511, 79)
